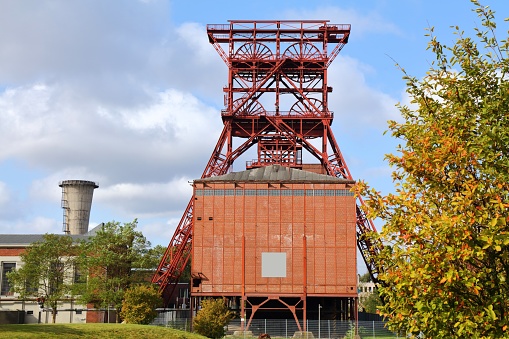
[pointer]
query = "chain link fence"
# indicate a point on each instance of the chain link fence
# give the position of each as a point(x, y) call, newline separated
point(287, 328)
point(324, 329)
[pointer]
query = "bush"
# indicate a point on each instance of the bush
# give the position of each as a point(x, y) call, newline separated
point(139, 305)
point(212, 318)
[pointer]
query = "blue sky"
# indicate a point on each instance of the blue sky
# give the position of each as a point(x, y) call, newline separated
point(128, 94)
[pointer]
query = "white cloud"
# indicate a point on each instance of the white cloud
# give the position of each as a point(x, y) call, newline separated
point(47, 189)
point(36, 225)
point(58, 130)
point(62, 38)
point(146, 200)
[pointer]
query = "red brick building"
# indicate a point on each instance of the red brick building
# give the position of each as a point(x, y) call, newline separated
point(277, 238)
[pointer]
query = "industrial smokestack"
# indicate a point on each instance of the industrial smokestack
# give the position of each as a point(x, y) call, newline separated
point(76, 202)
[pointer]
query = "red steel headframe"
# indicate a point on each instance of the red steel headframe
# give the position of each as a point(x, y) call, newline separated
point(276, 99)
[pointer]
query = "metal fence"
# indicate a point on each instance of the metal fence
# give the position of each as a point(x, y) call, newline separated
point(287, 328)
point(174, 317)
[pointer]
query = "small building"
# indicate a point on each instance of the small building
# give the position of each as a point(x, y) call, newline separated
point(28, 310)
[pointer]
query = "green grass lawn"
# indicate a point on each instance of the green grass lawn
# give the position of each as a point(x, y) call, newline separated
point(92, 331)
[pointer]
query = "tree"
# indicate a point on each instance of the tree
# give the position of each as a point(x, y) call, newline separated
point(140, 303)
point(110, 259)
point(48, 271)
point(371, 302)
point(445, 257)
point(212, 318)
point(365, 278)
point(152, 256)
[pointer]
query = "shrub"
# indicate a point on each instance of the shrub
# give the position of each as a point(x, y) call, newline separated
point(139, 304)
point(212, 318)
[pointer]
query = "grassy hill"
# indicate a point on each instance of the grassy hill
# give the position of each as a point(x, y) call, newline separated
point(92, 331)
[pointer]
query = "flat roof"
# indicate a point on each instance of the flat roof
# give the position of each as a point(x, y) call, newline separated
point(23, 240)
point(277, 173)
point(13, 240)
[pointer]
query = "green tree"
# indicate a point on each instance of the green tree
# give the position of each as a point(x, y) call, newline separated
point(152, 256)
point(48, 270)
point(211, 319)
point(140, 303)
point(371, 302)
point(366, 277)
point(109, 261)
point(445, 257)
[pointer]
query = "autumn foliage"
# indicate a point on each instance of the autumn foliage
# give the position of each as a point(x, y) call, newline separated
point(445, 259)
point(140, 303)
point(211, 319)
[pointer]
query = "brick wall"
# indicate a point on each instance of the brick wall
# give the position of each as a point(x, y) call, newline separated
point(316, 231)
point(11, 251)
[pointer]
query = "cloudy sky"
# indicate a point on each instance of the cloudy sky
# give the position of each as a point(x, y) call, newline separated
point(128, 93)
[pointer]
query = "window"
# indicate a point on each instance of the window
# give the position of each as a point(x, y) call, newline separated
point(273, 192)
point(6, 286)
point(342, 193)
point(78, 277)
point(57, 278)
point(298, 193)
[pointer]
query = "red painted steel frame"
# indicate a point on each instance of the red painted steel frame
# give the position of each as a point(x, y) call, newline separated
point(277, 99)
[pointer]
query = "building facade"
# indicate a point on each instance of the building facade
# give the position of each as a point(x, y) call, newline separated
point(276, 242)
point(29, 310)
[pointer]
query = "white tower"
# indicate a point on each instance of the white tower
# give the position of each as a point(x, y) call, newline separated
point(76, 202)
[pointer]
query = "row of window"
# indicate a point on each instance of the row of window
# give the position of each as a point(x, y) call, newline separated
point(7, 267)
point(366, 289)
point(274, 192)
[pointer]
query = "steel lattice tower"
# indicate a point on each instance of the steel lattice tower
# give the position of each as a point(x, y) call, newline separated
point(277, 100)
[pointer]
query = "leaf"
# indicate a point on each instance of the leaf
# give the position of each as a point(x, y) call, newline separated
point(490, 312)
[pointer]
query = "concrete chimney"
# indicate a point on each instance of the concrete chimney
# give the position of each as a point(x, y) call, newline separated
point(76, 202)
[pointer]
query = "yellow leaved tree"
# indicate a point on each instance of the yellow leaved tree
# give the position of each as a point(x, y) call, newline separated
point(445, 258)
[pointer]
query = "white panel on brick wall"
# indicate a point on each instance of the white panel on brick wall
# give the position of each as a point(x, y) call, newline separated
point(273, 264)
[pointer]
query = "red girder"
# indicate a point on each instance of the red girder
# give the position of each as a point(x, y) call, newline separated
point(256, 89)
point(176, 256)
point(272, 58)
